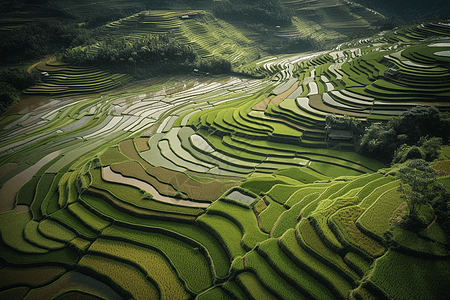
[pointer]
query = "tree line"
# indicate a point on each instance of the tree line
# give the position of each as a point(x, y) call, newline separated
point(144, 57)
point(267, 12)
point(420, 188)
point(416, 134)
point(12, 81)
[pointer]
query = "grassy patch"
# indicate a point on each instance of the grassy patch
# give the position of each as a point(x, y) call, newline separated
point(376, 219)
point(269, 278)
point(303, 175)
point(149, 261)
point(270, 215)
point(289, 218)
point(244, 218)
point(263, 184)
point(191, 265)
point(311, 242)
point(225, 231)
point(327, 276)
point(34, 277)
point(344, 222)
point(112, 156)
point(126, 278)
point(194, 234)
point(253, 287)
point(407, 277)
point(298, 277)
point(33, 236)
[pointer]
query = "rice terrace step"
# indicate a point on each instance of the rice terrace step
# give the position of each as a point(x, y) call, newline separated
point(194, 183)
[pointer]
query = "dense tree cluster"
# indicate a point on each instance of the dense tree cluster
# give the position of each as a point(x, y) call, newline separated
point(43, 37)
point(417, 133)
point(8, 96)
point(267, 12)
point(12, 81)
point(419, 187)
point(19, 79)
point(38, 39)
point(344, 123)
point(214, 64)
point(144, 57)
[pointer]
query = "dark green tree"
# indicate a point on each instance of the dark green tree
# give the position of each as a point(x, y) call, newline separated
point(421, 126)
point(8, 96)
point(419, 187)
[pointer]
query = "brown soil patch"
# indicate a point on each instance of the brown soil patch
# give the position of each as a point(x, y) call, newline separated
point(142, 144)
point(10, 277)
point(28, 104)
point(135, 170)
point(194, 189)
point(262, 106)
point(137, 85)
point(111, 176)
point(45, 65)
point(136, 211)
point(22, 208)
point(74, 281)
point(442, 167)
point(112, 156)
point(400, 211)
point(77, 295)
point(315, 101)
point(284, 95)
point(260, 207)
point(152, 129)
point(7, 167)
point(18, 293)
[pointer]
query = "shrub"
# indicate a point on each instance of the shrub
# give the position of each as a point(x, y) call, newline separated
point(418, 188)
point(8, 96)
point(430, 147)
point(139, 57)
point(420, 126)
point(268, 12)
point(405, 152)
point(216, 65)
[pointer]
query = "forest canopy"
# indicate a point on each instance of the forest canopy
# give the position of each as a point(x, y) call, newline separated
point(417, 133)
point(268, 12)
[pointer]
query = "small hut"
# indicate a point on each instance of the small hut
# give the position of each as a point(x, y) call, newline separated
point(340, 135)
point(391, 73)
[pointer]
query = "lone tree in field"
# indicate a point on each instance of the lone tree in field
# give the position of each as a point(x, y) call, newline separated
point(418, 187)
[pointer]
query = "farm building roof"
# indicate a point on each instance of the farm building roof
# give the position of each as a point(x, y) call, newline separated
point(336, 134)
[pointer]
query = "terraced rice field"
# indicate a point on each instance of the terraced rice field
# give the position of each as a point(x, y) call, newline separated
point(65, 80)
point(221, 186)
